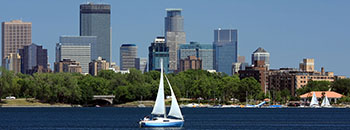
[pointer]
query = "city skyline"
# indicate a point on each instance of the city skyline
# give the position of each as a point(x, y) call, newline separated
point(289, 30)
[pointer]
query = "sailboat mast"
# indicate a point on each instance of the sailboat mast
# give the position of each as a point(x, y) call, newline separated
point(161, 69)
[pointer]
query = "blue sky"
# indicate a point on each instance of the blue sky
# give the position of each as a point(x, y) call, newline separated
point(289, 30)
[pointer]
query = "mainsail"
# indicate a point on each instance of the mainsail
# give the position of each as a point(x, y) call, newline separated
point(325, 102)
point(174, 109)
point(314, 101)
point(159, 106)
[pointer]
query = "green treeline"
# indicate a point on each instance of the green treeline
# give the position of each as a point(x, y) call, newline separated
point(74, 88)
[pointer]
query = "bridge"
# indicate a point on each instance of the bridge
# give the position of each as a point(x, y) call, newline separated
point(108, 98)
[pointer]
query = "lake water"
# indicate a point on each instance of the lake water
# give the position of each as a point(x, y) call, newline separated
point(195, 118)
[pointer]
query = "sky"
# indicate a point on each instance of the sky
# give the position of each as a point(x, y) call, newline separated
point(288, 30)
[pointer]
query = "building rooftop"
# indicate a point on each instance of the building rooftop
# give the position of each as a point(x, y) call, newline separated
point(260, 50)
point(128, 45)
point(329, 94)
point(173, 9)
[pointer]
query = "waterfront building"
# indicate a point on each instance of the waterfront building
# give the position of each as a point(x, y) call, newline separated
point(97, 65)
point(158, 50)
point(174, 35)
point(76, 48)
point(34, 59)
point(13, 62)
point(261, 54)
point(14, 35)
point(67, 65)
point(191, 62)
point(307, 65)
point(225, 45)
point(205, 52)
point(259, 72)
point(331, 95)
point(128, 53)
point(141, 64)
point(95, 20)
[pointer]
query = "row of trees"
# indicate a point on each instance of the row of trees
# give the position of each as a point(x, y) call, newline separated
point(76, 88)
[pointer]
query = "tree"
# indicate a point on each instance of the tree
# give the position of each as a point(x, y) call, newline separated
point(6, 82)
point(248, 85)
point(314, 86)
point(341, 86)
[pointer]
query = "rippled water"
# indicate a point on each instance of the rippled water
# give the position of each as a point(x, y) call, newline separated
point(195, 118)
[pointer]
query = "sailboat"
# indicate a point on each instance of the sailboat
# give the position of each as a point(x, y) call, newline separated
point(314, 101)
point(159, 117)
point(325, 102)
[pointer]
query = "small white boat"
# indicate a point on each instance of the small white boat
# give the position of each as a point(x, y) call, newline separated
point(325, 102)
point(159, 117)
point(314, 101)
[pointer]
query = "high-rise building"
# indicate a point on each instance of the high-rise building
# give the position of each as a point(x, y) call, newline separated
point(13, 62)
point(225, 45)
point(307, 65)
point(141, 64)
point(191, 62)
point(67, 65)
point(174, 35)
point(158, 50)
point(205, 52)
point(76, 48)
point(15, 35)
point(34, 59)
point(261, 54)
point(95, 20)
point(128, 53)
point(97, 65)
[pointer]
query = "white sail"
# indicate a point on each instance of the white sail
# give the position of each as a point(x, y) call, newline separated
point(325, 102)
point(174, 109)
point(314, 101)
point(159, 106)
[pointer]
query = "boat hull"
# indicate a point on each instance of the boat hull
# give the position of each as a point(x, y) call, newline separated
point(162, 123)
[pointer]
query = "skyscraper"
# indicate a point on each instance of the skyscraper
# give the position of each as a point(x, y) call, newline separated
point(34, 59)
point(225, 44)
point(141, 64)
point(15, 35)
point(95, 20)
point(13, 62)
point(76, 48)
point(174, 35)
point(261, 54)
point(128, 53)
point(158, 50)
point(205, 52)
point(307, 65)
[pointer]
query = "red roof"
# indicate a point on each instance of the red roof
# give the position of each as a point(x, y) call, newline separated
point(329, 94)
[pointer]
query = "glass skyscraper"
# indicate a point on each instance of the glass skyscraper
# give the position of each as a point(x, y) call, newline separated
point(158, 50)
point(33, 56)
point(95, 20)
point(203, 51)
point(225, 45)
point(76, 48)
point(128, 54)
point(261, 54)
point(174, 35)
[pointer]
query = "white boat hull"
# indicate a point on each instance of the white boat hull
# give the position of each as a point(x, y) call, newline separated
point(162, 122)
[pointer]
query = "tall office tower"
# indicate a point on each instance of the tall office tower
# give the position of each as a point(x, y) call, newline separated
point(225, 45)
point(15, 35)
point(141, 64)
point(34, 59)
point(13, 62)
point(76, 48)
point(261, 54)
point(174, 35)
point(158, 50)
point(97, 65)
point(128, 53)
point(95, 20)
point(205, 52)
point(307, 65)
